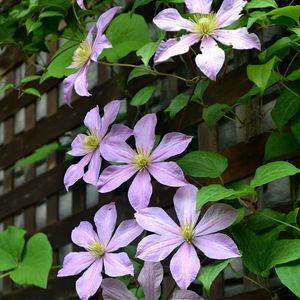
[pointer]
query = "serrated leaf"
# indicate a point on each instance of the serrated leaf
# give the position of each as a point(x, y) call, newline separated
point(177, 104)
point(272, 171)
point(203, 164)
point(143, 96)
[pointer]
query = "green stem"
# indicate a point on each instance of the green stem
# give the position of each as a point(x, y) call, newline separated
point(290, 90)
point(291, 63)
point(56, 267)
point(4, 274)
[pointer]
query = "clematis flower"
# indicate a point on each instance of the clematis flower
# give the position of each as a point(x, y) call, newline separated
point(88, 51)
point(206, 27)
point(150, 279)
point(80, 4)
point(143, 161)
point(100, 248)
point(185, 264)
point(88, 145)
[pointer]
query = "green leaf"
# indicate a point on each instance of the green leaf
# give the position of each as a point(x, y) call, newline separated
point(138, 3)
point(47, 14)
point(36, 263)
point(260, 74)
point(294, 124)
point(143, 95)
point(11, 247)
point(292, 11)
point(213, 113)
point(6, 87)
point(177, 104)
point(289, 275)
point(32, 25)
point(212, 193)
point(200, 90)
point(127, 33)
point(280, 144)
point(139, 71)
point(272, 171)
point(203, 164)
point(147, 51)
point(210, 272)
point(261, 4)
point(30, 78)
point(295, 75)
point(32, 91)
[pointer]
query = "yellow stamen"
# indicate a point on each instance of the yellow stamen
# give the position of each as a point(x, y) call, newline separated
point(187, 232)
point(82, 54)
point(96, 249)
point(90, 142)
point(205, 24)
point(141, 159)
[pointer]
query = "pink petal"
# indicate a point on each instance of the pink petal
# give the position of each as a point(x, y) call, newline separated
point(78, 148)
point(155, 219)
point(93, 122)
point(198, 6)
point(117, 264)
point(80, 4)
point(238, 38)
point(81, 83)
point(68, 85)
point(173, 47)
point(212, 58)
point(119, 131)
point(75, 262)
point(92, 174)
point(170, 20)
point(185, 205)
point(140, 190)
point(88, 284)
point(173, 143)
point(186, 295)
point(150, 278)
point(167, 173)
point(113, 289)
point(83, 235)
point(217, 217)
point(217, 246)
point(229, 12)
point(156, 247)
point(113, 176)
point(105, 220)
point(106, 18)
point(127, 231)
point(101, 42)
point(111, 111)
point(144, 133)
point(76, 171)
point(185, 265)
point(115, 149)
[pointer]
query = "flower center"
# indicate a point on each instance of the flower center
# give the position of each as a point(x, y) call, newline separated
point(82, 54)
point(205, 24)
point(90, 142)
point(141, 159)
point(96, 249)
point(187, 232)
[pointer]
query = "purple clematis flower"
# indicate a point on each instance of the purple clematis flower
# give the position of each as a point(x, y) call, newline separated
point(185, 264)
point(143, 161)
point(88, 51)
point(150, 279)
point(207, 27)
point(80, 4)
point(100, 248)
point(88, 145)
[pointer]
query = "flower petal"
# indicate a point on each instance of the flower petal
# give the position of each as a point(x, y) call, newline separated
point(173, 47)
point(119, 131)
point(76, 171)
point(150, 279)
point(101, 42)
point(81, 83)
point(105, 220)
point(217, 217)
point(117, 264)
point(126, 232)
point(111, 111)
point(88, 284)
point(198, 6)
point(167, 173)
point(185, 265)
point(83, 235)
point(93, 122)
point(170, 20)
point(113, 289)
point(80, 4)
point(92, 174)
point(217, 246)
point(156, 247)
point(77, 146)
point(113, 176)
point(155, 219)
point(68, 85)
point(230, 11)
point(144, 133)
point(186, 295)
point(212, 58)
point(172, 143)
point(185, 205)
point(140, 190)
point(238, 38)
point(106, 18)
point(75, 262)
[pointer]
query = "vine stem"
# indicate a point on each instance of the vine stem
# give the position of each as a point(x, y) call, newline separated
point(4, 274)
point(291, 63)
